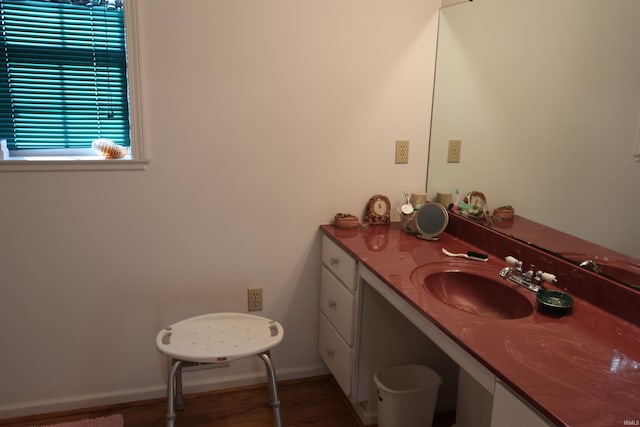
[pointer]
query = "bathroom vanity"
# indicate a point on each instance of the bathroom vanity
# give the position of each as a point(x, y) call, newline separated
point(379, 308)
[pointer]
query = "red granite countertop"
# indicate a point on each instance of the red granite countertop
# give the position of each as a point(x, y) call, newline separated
point(581, 369)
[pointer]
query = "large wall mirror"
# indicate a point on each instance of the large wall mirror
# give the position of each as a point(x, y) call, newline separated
point(545, 97)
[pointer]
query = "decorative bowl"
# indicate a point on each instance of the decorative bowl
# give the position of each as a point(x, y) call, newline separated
point(503, 213)
point(342, 220)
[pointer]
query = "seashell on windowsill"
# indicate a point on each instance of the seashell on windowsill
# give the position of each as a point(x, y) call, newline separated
point(109, 149)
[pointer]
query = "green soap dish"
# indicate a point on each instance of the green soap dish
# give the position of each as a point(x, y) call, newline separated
point(554, 302)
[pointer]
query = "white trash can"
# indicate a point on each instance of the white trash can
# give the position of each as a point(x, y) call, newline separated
point(406, 396)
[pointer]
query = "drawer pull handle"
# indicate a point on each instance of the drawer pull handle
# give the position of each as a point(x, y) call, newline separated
point(329, 353)
point(332, 304)
point(333, 261)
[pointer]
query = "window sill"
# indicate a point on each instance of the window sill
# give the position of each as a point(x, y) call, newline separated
point(70, 164)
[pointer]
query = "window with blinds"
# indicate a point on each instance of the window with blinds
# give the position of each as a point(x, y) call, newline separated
point(63, 73)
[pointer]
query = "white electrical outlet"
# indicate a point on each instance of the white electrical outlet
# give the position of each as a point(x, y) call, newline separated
point(254, 299)
point(453, 154)
point(402, 152)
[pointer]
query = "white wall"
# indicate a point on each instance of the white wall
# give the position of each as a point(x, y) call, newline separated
point(263, 119)
point(545, 97)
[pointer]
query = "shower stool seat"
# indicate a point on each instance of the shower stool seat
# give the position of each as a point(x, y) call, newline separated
point(214, 339)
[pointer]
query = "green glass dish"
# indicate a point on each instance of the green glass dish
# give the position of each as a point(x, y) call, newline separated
point(554, 302)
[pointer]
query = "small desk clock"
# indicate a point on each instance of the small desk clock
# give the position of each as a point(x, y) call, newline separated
point(378, 210)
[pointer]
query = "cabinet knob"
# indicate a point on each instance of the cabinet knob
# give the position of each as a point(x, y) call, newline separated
point(329, 353)
point(332, 304)
point(333, 261)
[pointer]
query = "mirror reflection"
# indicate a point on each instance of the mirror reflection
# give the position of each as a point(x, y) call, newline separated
point(545, 99)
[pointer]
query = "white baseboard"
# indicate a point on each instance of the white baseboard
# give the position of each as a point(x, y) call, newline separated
point(65, 403)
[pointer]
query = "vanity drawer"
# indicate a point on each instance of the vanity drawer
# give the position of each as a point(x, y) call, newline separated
point(336, 302)
point(335, 353)
point(339, 262)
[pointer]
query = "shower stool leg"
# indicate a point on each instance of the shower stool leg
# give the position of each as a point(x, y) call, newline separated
point(273, 387)
point(171, 414)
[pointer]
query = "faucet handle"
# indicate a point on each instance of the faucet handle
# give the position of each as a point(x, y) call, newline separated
point(514, 262)
point(548, 277)
point(541, 276)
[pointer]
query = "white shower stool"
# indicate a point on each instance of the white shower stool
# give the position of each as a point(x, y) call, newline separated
point(214, 339)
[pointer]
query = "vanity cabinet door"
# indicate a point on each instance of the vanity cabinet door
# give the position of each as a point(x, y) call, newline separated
point(339, 262)
point(336, 302)
point(508, 410)
point(335, 353)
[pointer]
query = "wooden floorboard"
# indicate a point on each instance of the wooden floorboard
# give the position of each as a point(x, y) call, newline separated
point(308, 402)
point(311, 402)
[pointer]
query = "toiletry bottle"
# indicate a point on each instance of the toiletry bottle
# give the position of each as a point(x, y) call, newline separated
point(4, 151)
point(455, 204)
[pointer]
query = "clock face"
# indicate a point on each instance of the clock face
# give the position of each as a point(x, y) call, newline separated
point(378, 210)
point(380, 207)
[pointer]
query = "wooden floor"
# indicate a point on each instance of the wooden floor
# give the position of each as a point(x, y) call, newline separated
point(309, 402)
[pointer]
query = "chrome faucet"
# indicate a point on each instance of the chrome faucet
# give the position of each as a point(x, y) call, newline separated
point(530, 279)
point(516, 267)
point(590, 265)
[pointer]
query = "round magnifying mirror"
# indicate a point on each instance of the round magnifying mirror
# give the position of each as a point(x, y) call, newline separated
point(431, 220)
